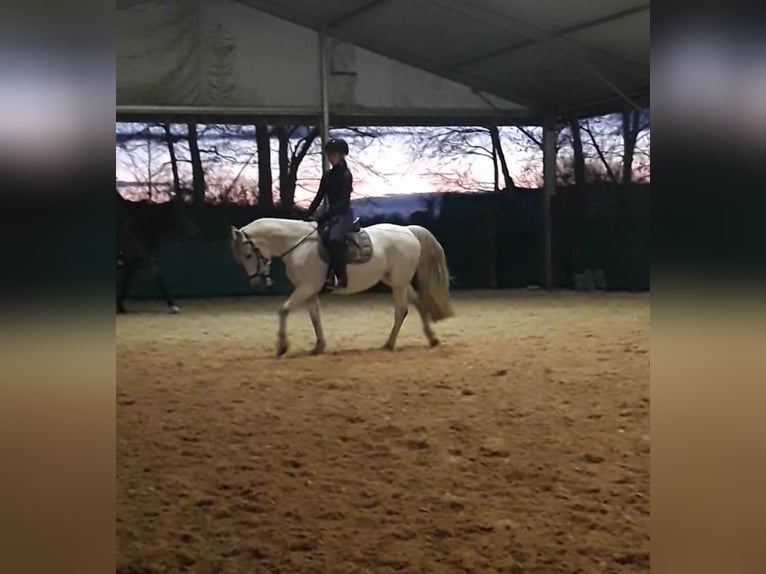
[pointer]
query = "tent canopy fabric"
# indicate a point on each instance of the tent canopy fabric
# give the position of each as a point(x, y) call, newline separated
point(390, 61)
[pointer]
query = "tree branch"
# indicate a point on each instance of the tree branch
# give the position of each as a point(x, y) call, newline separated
point(303, 147)
point(609, 171)
point(531, 136)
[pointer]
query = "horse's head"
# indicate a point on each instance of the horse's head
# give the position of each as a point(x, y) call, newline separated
point(246, 253)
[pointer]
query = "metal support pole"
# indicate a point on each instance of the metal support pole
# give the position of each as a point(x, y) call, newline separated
point(549, 189)
point(149, 161)
point(324, 122)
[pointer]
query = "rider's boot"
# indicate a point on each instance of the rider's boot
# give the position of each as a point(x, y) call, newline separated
point(337, 279)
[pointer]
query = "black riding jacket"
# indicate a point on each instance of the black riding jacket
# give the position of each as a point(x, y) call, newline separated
point(336, 185)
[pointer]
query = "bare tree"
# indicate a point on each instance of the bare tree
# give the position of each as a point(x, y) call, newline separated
point(229, 146)
point(533, 135)
point(265, 184)
point(198, 173)
point(165, 158)
point(495, 168)
point(145, 156)
point(633, 123)
point(447, 149)
point(578, 153)
point(290, 159)
point(604, 154)
point(528, 141)
point(169, 139)
point(497, 148)
point(613, 143)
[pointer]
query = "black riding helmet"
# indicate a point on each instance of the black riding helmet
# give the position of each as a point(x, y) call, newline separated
point(336, 145)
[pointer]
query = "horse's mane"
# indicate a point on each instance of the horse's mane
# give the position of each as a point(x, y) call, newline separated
point(275, 223)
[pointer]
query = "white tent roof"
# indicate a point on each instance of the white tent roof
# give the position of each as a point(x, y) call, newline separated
point(392, 61)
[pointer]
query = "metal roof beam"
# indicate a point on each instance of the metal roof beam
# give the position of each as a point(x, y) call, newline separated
point(557, 35)
point(355, 13)
point(311, 115)
point(600, 106)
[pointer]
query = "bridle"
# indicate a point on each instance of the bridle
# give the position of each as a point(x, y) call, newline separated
point(264, 263)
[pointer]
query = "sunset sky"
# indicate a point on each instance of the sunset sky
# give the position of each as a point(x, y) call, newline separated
point(394, 163)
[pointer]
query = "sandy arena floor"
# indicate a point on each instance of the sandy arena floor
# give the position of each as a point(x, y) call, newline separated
point(521, 445)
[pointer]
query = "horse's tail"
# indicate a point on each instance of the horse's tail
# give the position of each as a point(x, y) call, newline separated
point(432, 276)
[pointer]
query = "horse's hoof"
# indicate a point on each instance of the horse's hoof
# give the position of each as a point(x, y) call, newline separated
point(121, 310)
point(388, 347)
point(174, 309)
point(434, 342)
point(318, 350)
point(281, 350)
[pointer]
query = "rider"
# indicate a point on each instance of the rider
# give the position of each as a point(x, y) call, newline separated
point(336, 186)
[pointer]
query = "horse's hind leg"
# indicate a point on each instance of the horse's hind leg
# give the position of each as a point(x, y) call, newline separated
point(166, 294)
point(316, 321)
point(433, 340)
point(400, 312)
point(125, 281)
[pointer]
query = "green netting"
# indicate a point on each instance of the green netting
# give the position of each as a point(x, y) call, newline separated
point(203, 269)
point(593, 233)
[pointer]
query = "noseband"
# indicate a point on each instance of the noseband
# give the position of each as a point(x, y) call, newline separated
point(264, 264)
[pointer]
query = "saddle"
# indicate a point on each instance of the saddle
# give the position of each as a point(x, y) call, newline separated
point(358, 246)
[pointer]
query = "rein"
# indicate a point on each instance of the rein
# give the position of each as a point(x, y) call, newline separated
point(263, 262)
point(294, 247)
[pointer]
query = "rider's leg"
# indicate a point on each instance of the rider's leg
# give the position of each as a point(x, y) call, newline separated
point(337, 252)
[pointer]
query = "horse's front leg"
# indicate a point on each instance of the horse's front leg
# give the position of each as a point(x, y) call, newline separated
point(300, 296)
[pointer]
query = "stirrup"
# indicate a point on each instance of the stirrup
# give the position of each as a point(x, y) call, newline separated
point(334, 282)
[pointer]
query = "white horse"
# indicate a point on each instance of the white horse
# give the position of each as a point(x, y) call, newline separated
point(399, 255)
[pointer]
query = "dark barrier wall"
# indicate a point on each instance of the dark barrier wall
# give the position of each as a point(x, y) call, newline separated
point(491, 240)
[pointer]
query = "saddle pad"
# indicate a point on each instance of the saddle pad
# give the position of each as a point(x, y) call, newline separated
point(358, 248)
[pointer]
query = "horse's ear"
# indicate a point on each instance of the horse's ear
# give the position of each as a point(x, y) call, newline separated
point(234, 234)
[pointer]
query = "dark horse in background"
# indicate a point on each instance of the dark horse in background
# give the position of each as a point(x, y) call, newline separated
point(141, 228)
